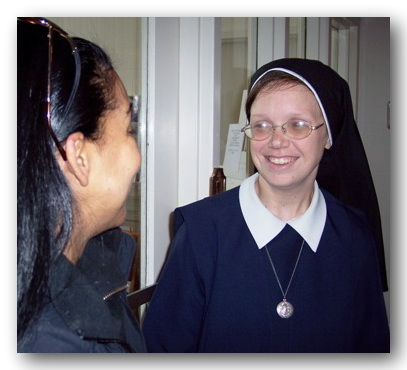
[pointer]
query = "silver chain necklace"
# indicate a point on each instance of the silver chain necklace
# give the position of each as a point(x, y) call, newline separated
point(285, 309)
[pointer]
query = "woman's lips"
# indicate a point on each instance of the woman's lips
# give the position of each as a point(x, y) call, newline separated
point(280, 160)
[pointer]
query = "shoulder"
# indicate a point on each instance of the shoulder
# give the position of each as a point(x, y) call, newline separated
point(338, 208)
point(50, 334)
point(347, 221)
point(210, 210)
point(226, 199)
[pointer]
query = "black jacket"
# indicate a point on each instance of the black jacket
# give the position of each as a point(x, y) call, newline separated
point(87, 308)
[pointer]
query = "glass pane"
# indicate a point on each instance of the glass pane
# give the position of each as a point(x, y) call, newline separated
point(334, 45)
point(237, 59)
point(234, 72)
point(344, 51)
point(121, 38)
point(296, 40)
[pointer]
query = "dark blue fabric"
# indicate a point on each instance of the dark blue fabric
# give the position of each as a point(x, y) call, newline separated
point(218, 293)
point(76, 317)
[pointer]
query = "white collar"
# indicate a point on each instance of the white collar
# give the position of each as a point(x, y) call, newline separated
point(264, 226)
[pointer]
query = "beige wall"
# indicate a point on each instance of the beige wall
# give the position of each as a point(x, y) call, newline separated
point(119, 37)
point(374, 93)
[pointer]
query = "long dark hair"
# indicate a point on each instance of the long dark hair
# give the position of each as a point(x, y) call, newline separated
point(45, 203)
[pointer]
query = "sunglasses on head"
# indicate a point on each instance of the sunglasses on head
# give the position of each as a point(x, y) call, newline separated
point(52, 27)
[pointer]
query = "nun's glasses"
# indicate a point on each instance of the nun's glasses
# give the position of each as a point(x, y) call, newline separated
point(52, 27)
point(295, 129)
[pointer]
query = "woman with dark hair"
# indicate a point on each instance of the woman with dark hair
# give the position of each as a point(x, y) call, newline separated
point(76, 158)
point(279, 264)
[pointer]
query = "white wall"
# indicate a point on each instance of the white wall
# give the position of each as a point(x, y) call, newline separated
point(162, 143)
point(374, 93)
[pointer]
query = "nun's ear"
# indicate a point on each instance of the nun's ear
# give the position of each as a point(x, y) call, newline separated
point(328, 143)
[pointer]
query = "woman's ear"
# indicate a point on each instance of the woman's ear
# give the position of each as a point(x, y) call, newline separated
point(77, 163)
point(328, 144)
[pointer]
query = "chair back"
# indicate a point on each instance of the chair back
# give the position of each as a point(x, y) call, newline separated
point(139, 298)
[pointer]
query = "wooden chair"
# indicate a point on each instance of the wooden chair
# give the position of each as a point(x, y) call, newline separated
point(139, 298)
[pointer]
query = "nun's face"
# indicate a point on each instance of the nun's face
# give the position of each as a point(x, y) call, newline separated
point(284, 163)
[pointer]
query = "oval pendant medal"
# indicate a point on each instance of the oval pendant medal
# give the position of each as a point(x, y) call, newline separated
point(285, 309)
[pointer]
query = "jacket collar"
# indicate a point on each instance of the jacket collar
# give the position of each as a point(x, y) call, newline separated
point(82, 293)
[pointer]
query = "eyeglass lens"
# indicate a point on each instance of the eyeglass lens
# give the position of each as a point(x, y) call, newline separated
point(293, 129)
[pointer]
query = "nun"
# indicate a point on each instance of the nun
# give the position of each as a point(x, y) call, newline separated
point(292, 260)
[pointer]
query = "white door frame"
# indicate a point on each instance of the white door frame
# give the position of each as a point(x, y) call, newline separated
point(183, 122)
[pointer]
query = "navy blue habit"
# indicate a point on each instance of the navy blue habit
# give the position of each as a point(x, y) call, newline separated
point(218, 292)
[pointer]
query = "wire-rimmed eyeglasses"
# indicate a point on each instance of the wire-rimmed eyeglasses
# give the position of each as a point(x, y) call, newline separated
point(295, 129)
point(51, 28)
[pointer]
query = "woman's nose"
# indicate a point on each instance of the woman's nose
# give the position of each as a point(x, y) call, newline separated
point(278, 139)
